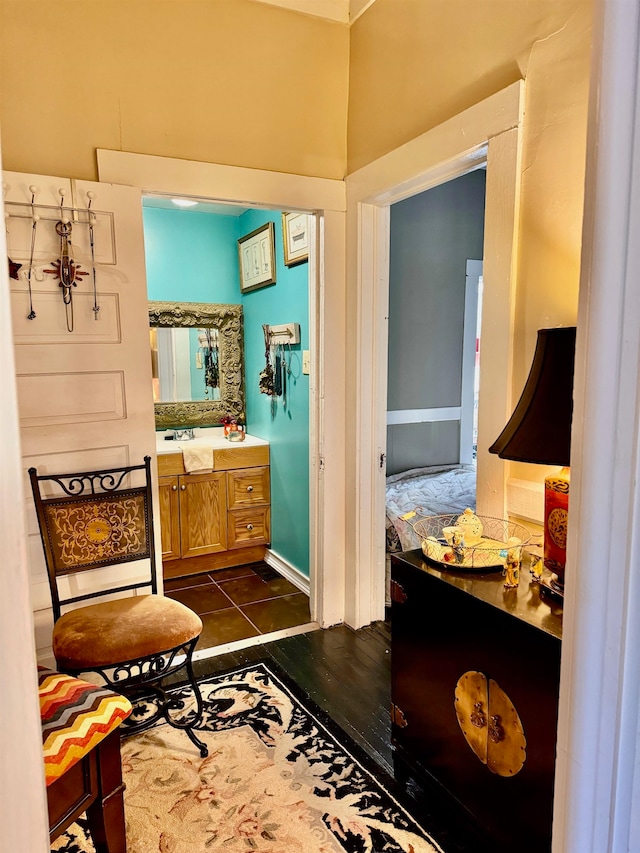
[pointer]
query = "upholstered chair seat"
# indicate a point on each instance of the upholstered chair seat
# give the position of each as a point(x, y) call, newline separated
point(126, 629)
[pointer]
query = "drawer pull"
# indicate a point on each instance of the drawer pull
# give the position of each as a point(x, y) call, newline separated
point(249, 526)
point(249, 488)
point(496, 732)
point(174, 488)
point(478, 718)
point(183, 488)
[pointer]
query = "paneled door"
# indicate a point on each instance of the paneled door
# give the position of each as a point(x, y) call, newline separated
point(83, 371)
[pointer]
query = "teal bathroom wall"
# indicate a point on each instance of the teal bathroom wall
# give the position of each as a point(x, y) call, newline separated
point(193, 257)
point(286, 429)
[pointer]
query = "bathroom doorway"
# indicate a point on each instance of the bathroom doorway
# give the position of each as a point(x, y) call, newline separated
point(240, 588)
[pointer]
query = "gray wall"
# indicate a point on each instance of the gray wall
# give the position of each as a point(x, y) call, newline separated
point(432, 236)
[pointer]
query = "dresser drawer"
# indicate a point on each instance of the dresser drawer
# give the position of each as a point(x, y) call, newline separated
point(248, 487)
point(248, 527)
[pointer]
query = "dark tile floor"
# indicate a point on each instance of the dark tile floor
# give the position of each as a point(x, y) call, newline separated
point(235, 604)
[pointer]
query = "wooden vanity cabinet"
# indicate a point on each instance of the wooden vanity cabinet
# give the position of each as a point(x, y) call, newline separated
point(225, 513)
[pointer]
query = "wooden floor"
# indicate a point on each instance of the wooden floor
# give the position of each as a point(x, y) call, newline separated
point(347, 674)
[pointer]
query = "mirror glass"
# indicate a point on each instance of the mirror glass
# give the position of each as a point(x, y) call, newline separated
point(197, 363)
point(186, 364)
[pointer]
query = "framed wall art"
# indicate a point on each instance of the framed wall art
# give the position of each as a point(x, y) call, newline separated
point(257, 258)
point(295, 236)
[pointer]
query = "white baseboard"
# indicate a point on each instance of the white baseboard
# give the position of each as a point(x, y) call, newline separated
point(288, 571)
point(237, 645)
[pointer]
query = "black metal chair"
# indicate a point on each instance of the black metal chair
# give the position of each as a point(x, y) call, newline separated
point(95, 519)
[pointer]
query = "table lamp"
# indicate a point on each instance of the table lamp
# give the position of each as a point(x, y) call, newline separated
point(539, 431)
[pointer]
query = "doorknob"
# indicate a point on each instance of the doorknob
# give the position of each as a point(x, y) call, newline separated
point(183, 488)
point(174, 488)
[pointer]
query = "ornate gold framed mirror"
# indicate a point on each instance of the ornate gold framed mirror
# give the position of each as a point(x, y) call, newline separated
point(198, 363)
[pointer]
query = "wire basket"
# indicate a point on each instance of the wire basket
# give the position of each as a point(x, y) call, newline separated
point(442, 542)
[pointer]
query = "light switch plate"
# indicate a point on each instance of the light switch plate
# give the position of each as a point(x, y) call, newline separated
point(306, 361)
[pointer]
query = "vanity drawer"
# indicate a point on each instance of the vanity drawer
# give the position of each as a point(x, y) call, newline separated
point(248, 487)
point(248, 527)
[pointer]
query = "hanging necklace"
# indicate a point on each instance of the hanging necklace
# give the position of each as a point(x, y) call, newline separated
point(34, 227)
point(65, 268)
point(14, 268)
point(92, 222)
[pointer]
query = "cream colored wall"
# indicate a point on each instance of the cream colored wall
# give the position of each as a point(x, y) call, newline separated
point(225, 81)
point(415, 64)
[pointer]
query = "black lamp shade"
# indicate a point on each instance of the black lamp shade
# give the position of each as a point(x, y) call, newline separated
point(539, 429)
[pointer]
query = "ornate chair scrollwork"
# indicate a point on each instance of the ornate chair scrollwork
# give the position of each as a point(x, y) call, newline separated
point(92, 520)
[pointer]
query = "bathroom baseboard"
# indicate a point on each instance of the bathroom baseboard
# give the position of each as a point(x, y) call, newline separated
point(287, 571)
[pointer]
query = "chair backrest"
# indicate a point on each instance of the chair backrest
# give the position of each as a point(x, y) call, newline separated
point(95, 521)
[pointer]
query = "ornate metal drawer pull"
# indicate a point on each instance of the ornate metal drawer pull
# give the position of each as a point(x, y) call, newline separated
point(478, 717)
point(496, 732)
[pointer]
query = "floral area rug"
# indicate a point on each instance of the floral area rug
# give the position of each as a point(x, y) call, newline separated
point(275, 781)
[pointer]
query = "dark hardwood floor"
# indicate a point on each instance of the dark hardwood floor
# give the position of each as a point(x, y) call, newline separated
point(347, 674)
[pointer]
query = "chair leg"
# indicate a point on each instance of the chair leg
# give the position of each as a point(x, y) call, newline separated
point(204, 751)
point(188, 728)
point(106, 814)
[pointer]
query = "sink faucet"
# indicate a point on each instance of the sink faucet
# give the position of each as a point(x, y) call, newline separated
point(183, 434)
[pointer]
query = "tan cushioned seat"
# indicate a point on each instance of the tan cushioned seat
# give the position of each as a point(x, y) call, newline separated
point(122, 630)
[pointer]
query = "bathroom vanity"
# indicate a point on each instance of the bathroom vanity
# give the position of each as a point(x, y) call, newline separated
point(224, 514)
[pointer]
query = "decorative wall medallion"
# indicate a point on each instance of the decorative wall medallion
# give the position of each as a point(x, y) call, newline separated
point(490, 723)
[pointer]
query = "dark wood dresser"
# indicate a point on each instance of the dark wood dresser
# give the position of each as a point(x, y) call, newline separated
point(453, 634)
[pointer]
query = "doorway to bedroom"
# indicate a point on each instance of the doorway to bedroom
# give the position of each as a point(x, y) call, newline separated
point(435, 292)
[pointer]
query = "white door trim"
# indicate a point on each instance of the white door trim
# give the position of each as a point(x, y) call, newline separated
point(598, 756)
point(23, 803)
point(489, 132)
point(326, 198)
point(469, 336)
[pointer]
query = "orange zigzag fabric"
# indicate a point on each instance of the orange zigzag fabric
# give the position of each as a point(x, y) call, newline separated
point(75, 717)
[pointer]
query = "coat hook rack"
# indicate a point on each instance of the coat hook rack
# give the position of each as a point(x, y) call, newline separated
point(286, 333)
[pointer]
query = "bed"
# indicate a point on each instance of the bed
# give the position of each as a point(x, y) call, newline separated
point(436, 490)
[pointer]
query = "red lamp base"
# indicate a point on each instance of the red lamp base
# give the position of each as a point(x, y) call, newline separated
point(556, 513)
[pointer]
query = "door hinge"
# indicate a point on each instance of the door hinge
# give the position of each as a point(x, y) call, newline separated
point(397, 717)
point(383, 459)
point(397, 593)
point(321, 463)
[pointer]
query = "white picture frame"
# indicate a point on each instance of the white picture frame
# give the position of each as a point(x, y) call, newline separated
point(295, 238)
point(256, 257)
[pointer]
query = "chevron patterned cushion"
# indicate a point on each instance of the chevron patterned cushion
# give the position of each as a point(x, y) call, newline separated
point(75, 716)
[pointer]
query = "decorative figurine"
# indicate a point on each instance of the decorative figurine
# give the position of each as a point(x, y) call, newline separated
point(536, 568)
point(511, 569)
point(457, 546)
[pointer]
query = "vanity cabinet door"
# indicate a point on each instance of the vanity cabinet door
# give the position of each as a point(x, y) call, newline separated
point(169, 517)
point(203, 513)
